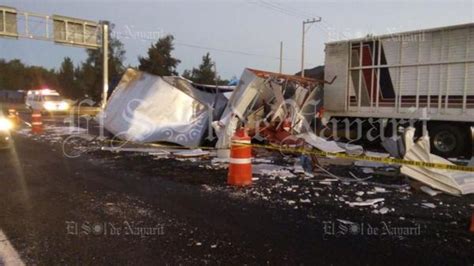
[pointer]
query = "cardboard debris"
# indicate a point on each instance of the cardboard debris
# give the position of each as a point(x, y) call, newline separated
point(449, 181)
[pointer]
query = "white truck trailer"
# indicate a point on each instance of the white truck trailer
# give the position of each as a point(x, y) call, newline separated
point(424, 74)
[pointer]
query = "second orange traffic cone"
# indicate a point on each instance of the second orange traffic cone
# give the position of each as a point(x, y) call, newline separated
point(36, 123)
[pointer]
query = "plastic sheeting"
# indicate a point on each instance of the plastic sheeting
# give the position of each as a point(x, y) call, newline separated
point(149, 108)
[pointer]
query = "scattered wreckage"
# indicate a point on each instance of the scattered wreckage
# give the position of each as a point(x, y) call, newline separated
point(278, 110)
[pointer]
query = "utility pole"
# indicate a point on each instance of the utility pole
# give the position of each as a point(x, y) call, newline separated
point(216, 79)
point(105, 63)
point(105, 73)
point(308, 21)
point(281, 57)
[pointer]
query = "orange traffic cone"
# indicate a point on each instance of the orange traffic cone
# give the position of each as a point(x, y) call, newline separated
point(472, 223)
point(240, 166)
point(36, 123)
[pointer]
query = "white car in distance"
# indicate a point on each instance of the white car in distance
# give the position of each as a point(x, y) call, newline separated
point(46, 101)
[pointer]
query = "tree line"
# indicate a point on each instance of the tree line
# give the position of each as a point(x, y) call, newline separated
point(85, 79)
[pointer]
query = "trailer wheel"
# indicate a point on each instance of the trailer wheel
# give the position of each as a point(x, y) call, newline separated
point(447, 140)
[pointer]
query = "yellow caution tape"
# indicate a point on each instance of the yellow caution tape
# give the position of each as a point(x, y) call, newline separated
point(301, 150)
point(367, 158)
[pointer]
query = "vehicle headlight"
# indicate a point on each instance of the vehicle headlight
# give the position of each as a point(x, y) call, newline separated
point(49, 106)
point(63, 106)
point(5, 124)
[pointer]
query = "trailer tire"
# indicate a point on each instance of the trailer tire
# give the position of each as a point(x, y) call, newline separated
point(447, 140)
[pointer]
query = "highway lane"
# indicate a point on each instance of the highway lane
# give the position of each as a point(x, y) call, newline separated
point(106, 208)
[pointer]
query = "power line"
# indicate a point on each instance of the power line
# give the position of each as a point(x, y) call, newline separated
point(230, 51)
point(290, 9)
point(266, 5)
point(296, 13)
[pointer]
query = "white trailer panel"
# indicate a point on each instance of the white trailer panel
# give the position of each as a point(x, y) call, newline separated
point(398, 75)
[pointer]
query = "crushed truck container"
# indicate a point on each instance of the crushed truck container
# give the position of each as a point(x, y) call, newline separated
point(149, 108)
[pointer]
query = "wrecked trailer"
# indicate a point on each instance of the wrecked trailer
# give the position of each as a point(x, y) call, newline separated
point(149, 108)
point(266, 101)
point(277, 109)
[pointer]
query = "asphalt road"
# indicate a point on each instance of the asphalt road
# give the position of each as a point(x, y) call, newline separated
point(97, 209)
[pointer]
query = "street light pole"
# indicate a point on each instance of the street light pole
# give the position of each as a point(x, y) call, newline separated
point(308, 21)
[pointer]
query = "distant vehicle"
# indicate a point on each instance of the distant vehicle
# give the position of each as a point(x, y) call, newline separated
point(422, 75)
point(5, 127)
point(46, 101)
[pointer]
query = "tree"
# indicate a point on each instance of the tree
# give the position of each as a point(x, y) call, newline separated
point(14, 75)
point(160, 61)
point(187, 74)
point(91, 71)
point(38, 77)
point(205, 73)
point(66, 79)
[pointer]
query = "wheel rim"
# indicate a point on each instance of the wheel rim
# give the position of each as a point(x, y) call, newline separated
point(444, 141)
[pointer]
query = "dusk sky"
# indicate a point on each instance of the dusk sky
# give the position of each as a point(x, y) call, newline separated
point(238, 27)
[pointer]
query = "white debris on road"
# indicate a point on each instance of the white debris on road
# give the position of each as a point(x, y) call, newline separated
point(368, 202)
point(430, 191)
point(380, 190)
point(428, 205)
point(191, 153)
